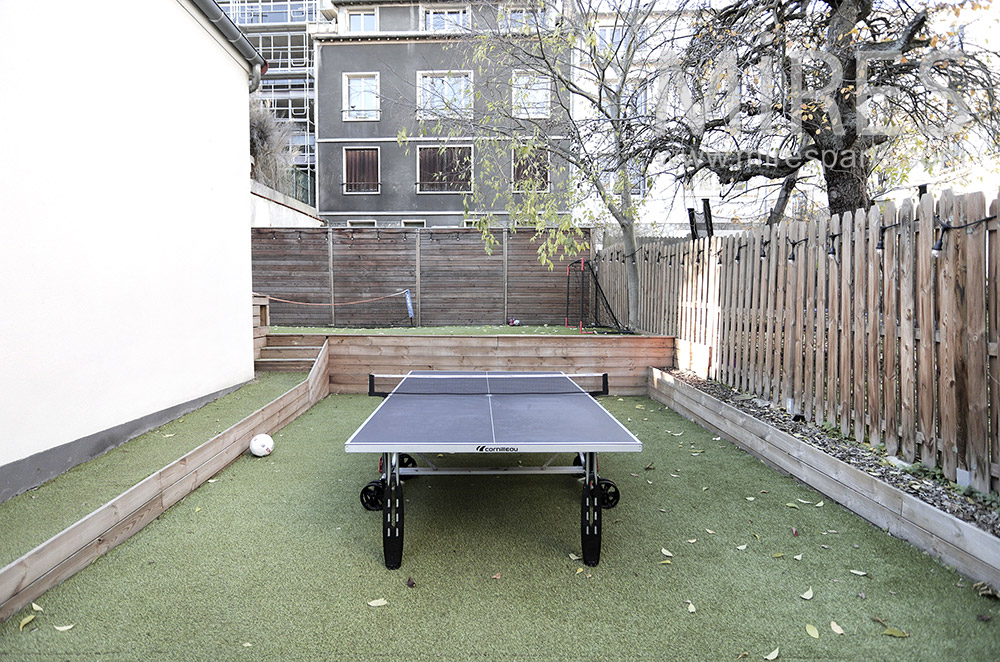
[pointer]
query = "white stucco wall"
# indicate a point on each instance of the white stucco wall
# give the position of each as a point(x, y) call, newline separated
point(271, 209)
point(124, 252)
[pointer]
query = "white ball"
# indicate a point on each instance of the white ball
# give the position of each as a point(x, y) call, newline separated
point(261, 445)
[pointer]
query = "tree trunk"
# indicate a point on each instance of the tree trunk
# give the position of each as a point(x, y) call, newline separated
point(847, 185)
point(784, 195)
point(631, 274)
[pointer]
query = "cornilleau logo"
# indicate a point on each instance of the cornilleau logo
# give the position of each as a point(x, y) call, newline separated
point(496, 449)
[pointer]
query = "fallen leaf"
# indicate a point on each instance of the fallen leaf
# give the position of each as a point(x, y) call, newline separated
point(741, 547)
point(895, 632)
point(650, 482)
point(381, 602)
point(808, 595)
point(588, 575)
point(64, 628)
point(812, 631)
point(693, 540)
point(818, 505)
point(663, 510)
point(198, 509)
point(35, 607)
point(496, 576)
point(639, 407)
point(742, 655)
point(25, 621)
point(247, 644)
point(804, 501)
point(664, 562)
point(649, 467)
point(861, 595)
point(836, 628)
point(633, 475)
point(825, 546)
point(665, 551)
point(773, 655)
point(675, 475)
point(777, 555)
point(212, 480)
point(710, 531)
point(793, 505)
point(859, 573)
point(795, 531)
point(574, 557)
point(763, 491)
point(757, 537)
point(410, 582)
point(750, 498)
point(621, 399)
point(704, 489)
point(579, 570)
point(690, 605)
point(167, 436)
point(676, 434)
point(797, 557)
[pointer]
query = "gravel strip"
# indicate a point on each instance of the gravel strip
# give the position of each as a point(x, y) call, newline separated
point(930, 487)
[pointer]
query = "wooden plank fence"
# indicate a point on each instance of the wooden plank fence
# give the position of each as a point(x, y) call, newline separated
point(881, 323)
point(451, 279)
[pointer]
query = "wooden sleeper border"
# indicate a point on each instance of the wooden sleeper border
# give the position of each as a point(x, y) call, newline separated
point(80, 544)
point(967, 548)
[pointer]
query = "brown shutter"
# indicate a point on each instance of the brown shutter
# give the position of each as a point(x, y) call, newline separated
point(361, 170)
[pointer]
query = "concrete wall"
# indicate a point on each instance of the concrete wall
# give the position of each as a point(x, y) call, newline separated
point(271, 209)
point(125, 258)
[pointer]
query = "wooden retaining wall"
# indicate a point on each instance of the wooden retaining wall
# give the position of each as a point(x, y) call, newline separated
point(450, 277)
point(79, 545)
point(964, 546)
point(624, 358)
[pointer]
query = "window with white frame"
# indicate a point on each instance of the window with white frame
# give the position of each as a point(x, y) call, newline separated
point(414, 223)
point(521, 18)
point(361, 96)
point(444, 93)
point(362, 223)
point(531, 94)
point(361, 170)
point(613, 37)
point(446, 169)
point(362, 20)
point(446, 19)
point(530, 170)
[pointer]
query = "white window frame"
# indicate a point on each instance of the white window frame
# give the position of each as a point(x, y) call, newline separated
point(346, 101)
point(526, 10)
point(362, 223)
point(472, 169)
point(525, 111)
point(343, 169)
point(469, 223)
point(548, 173)
point(423, 112)
point(413, 223)
point(359, 11)
point(445, 9)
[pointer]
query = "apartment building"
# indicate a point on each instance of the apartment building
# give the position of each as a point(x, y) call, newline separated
point(278, 30)
point(387, 67)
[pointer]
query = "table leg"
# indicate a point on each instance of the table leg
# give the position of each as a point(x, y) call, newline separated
point(590, 512)
point(392, 513)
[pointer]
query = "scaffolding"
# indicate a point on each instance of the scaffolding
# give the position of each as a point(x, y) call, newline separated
point(278, 30)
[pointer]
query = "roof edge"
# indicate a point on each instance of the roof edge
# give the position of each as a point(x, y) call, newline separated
point(230, 32)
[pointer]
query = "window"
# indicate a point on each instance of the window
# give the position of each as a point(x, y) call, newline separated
point(469, 223)
point(613, 37)
point(362, 223)
point(361, 170)
point(361, 97)
point(362, 20)
point(531, 171)
point(446, 19)
point(414, 223)
point(443, 93)
point(530, 94)
point(522, 19)
point(444, 169)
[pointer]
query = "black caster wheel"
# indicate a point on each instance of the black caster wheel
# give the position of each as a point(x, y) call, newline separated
point(609, 493)
point(373, 495)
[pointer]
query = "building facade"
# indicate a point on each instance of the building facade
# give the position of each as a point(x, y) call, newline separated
point(388, 71)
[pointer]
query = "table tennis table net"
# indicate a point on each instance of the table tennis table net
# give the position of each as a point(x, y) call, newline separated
point(538, 384)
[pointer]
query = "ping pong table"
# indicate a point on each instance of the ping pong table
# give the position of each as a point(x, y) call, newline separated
point(494, 413)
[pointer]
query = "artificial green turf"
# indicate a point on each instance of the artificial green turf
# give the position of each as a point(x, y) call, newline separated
point(484, 330)
point(278, 560)
point(33, 517)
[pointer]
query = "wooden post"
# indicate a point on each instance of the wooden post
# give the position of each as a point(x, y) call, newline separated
point(833, 323)
point(416, 249)
point(976, 351)
point(846, 328)
point(906, 338)
point(859, 295)
point(329, 262)
point(874, 388)
point(993, 250)
point(948, 401)
point(890, 343)
point(926, 349)
point(821, 260)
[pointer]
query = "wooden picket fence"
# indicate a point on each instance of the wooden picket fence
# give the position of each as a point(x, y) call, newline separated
point(854, 321)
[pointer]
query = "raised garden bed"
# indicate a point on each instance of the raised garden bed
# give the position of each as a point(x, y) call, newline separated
point(973, 549)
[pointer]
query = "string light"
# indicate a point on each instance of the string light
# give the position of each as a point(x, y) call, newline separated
point(791, 253)
point(881, 236)
point(936, 249)
point(833, 247)
point(763, 248)
point(738, 249)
